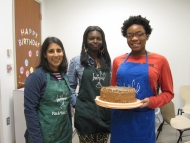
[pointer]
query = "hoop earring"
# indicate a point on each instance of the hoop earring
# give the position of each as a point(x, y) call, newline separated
point(85, 49)
point(101, 51)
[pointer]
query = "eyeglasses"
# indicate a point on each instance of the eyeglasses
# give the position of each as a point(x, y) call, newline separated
point(138, 35)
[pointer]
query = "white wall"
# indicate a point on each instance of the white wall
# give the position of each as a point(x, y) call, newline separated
point(170, 21)
point(67, 20)
point(7, 79)
point(0, 113)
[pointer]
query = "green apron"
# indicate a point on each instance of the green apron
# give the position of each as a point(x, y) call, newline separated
point(53, 112)
point(89, 117)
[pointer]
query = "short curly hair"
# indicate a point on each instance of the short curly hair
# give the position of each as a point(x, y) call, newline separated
point(136, 20)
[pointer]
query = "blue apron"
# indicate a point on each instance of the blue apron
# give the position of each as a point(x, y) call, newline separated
point(134, 125)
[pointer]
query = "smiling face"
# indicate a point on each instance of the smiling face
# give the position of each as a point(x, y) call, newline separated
point(94, 41)
point(54, 55)
point(136, 39)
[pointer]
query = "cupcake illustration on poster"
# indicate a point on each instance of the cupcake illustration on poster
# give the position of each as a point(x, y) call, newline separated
point(30, 53)
point(26, 62)
point(22, 70)
point(37, 53)
point(31, 69)
point(27, 73)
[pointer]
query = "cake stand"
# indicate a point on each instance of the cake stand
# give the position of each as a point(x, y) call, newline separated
point(111, 105)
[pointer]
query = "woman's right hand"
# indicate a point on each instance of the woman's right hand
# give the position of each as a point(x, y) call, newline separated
point(145, 103)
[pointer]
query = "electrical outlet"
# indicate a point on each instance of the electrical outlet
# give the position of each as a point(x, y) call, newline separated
point(8, 120)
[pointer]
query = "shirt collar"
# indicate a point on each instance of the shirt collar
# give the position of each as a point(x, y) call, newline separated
point(91, 61)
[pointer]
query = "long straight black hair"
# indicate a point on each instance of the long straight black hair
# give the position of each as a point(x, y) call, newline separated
point(105, 60)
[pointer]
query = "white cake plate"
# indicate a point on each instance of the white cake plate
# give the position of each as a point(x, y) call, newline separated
point(111, 105)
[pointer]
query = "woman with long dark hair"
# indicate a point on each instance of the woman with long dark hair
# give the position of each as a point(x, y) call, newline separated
point(91, 70)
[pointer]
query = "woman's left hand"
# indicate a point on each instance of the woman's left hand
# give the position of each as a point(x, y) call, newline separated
point(145, 102)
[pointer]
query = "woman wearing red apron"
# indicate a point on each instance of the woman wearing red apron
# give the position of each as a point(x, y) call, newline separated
point(143, 71)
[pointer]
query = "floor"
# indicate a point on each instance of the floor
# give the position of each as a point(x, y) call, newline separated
point(167, 135)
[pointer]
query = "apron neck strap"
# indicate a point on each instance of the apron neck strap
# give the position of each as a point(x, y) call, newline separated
point(130, 54)
point(48, 76)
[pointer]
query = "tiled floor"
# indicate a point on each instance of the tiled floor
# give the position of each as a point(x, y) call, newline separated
point(167, 135)
point(171, 135)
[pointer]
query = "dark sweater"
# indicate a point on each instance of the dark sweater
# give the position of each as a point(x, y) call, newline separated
point(35, 86)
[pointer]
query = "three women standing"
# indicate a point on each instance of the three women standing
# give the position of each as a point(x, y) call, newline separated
point(47, 91)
